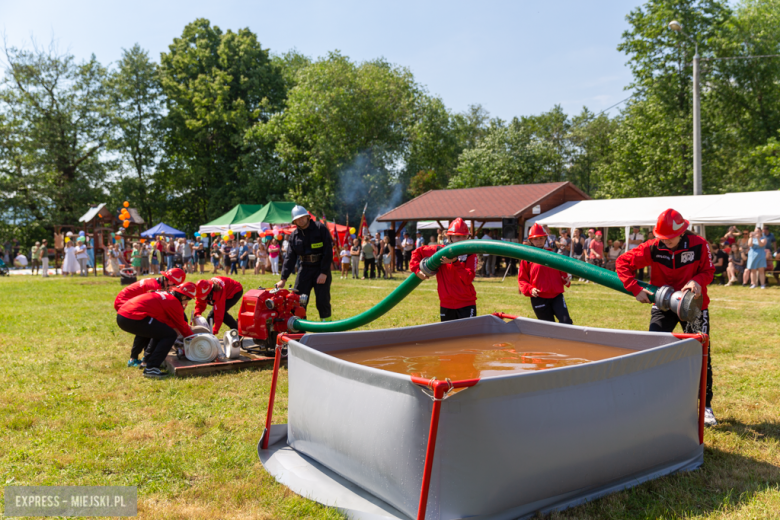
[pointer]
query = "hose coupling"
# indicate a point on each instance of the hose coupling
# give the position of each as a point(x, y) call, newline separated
point(424, 269)
point(685, 305)
point(291, 324)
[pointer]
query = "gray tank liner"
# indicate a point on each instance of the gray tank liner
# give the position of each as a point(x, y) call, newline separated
point(506, 448)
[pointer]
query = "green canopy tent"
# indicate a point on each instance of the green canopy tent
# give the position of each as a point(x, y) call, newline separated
point(228, 220)
point(271, 213)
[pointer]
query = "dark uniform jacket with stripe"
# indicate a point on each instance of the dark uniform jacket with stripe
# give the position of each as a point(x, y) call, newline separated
point(314, 240)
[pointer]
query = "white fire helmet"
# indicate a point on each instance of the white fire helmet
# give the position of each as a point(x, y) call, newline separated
point(298, 212)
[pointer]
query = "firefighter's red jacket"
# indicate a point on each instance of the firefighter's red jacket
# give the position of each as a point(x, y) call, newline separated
point(217, 300)
point(454, 281)
point(691, 260)
point(162, 306)
point(548, 281)
point(138, 288)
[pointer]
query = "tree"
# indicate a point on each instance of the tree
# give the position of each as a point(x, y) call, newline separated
point(343, 133)
point(551, 130)
point(591, 137)
point(437, 139)
point(744, 97)
point(54, 126)
point(653, 152)
point(507, 154)
point(136, 100)
point(217, 87)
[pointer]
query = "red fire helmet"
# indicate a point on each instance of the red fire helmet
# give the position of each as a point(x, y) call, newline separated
point(202, 289)
point(175, 275)
point(458, 228)
point(537, 231)
point(186, 289)
point(670, 224)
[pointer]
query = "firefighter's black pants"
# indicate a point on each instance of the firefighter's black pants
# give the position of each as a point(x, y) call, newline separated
point(547, 309)
point(306, 280)
point(468, 311)
point(161, 335)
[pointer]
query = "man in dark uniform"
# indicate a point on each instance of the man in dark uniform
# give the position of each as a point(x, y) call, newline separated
point(312, 244)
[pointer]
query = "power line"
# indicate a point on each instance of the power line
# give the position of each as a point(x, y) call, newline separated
point(742, 57)
point(613, 106)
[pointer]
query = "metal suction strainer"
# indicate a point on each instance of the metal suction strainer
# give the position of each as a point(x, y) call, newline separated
point(686, 306)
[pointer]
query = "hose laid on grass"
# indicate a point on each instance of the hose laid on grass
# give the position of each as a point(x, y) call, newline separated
point(536, 255)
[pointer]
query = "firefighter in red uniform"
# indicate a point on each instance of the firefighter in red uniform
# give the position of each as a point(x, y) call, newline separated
point(224, 294)
point(455, 277)
point(169, 278)
point(544, 285)
point(679, 259)
point(159, 317)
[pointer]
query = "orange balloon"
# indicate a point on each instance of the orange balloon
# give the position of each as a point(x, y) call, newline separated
point(126, 204)
point(126, 223)
point(122, 216)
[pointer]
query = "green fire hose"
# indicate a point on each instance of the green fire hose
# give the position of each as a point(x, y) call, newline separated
point(467, 247)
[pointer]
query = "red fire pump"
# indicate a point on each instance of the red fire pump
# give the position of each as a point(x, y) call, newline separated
point(265, 313)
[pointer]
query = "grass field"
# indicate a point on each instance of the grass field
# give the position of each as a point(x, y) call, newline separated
point(71, 413)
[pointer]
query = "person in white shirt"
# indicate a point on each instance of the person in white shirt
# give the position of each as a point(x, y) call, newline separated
point(346, 260)
point(489, 260)
point(82, 257)
point(20, 261)
point(43, 253)
point(408, 246)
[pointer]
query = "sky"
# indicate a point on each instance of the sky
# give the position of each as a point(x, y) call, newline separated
point(514, 58)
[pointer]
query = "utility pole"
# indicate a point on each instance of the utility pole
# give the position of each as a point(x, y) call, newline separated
point(697, 184)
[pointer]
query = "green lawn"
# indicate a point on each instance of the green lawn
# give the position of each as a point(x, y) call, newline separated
point(71, 413)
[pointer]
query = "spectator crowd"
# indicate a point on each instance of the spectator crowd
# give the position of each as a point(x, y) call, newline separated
point(741, 257)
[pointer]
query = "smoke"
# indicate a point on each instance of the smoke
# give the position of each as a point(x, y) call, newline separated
point(353, 188)
point(396, 196)
point(368, 182)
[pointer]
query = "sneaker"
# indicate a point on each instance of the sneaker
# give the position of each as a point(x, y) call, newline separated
point(133, 363)
point(753, 286)
point(763, 286)
point(155, 373)
point(709, 417)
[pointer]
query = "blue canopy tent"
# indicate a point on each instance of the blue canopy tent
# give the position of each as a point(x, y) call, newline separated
point(163, 229)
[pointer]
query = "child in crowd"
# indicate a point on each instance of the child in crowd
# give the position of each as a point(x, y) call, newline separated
point(135, 259)
point(596, 250)
point(215, 256)
point(345, 261)
point(544, 285)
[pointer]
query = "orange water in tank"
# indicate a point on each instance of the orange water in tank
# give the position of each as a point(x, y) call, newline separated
point(469, 357)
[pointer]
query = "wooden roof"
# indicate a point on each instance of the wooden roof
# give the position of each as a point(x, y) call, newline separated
point(485, 203)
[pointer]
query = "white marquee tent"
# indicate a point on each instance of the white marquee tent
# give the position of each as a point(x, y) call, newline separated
point(754, 208)
point(748, 208)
